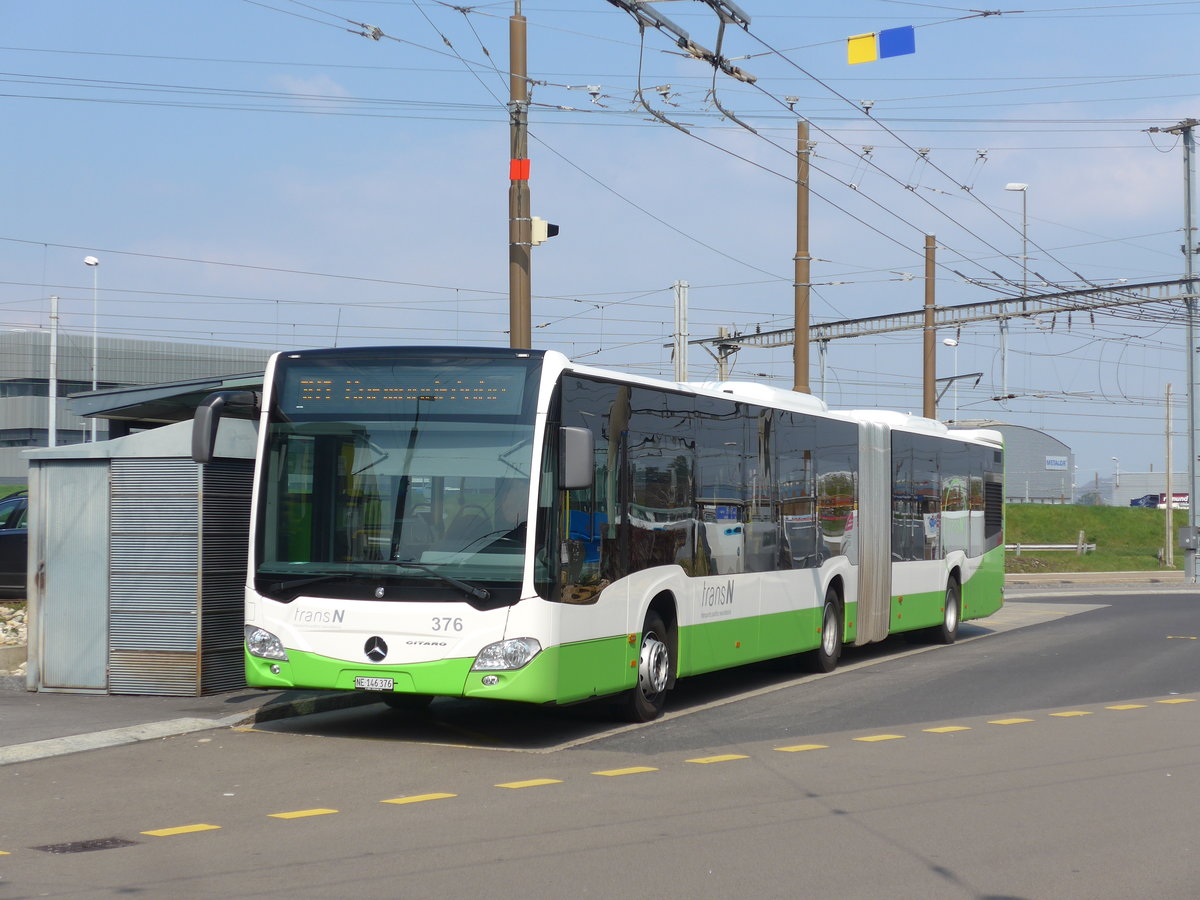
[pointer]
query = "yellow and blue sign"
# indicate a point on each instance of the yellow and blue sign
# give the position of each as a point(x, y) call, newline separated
point(890, 42)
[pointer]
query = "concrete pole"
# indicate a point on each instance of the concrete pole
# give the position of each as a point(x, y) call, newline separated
point(53, 411)
point(1168, 543)
point(803, 262)
point(94, 264)
point(1004, 358)
point(1184, 130)
point(681, 331)
point(823, 360)
point(929, 346)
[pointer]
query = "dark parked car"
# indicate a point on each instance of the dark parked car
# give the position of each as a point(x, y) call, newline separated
point(13, 544)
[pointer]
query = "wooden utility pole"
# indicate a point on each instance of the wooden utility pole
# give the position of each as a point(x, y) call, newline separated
point(929, 346)
point(803, 262)
point(520, 233)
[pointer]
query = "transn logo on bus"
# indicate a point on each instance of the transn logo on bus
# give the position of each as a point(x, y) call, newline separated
point(716, 601)
point(319, 616)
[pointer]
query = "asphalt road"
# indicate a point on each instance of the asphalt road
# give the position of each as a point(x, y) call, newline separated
point(1053, 753)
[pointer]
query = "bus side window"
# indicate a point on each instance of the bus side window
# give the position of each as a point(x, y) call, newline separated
point(586, 404)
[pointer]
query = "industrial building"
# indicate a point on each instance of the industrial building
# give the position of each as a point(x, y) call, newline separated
point(1038, 468)
point(25, 376)
point(1129, 486)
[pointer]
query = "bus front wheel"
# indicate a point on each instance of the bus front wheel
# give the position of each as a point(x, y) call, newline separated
point(646, 701)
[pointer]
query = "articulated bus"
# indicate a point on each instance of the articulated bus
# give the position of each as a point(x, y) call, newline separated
point(505, 524)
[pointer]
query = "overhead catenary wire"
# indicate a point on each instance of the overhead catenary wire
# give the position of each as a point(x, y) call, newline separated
point(1014, 289)
point(1165, 313)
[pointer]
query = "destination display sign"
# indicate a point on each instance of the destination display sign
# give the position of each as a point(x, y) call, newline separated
point(489, 388)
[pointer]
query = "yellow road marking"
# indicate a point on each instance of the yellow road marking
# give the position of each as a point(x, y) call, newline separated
point(533, 782)
point(183, 829)
point(5, 853)
point(632, 770)
point(419, 798)
point(1180, 637)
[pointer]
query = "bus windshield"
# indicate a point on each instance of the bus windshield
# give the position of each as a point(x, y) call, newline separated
point(411, 468)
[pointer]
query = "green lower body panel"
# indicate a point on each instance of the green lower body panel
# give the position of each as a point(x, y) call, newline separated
point(912, 611)
point(722, 645)
point(568, 672)
point(560, 674)
point(310, 670)
point(983, 594)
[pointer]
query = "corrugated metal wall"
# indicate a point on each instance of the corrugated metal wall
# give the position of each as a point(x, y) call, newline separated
point(176, 569)
point(26, 354)
point(224, 532)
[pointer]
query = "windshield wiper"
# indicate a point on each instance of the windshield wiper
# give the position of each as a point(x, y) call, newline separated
point(469, 589)
point(289, 583)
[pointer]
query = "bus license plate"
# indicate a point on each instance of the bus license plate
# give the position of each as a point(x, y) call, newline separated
point(374, 684)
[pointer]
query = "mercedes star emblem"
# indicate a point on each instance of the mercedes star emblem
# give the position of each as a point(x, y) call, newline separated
point(376, 649)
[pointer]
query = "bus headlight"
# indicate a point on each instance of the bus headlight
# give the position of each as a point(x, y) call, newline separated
point(261, 642)
point(511, 654)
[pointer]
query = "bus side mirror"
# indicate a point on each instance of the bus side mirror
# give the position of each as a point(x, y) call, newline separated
point(576, 458)
point(208, 417)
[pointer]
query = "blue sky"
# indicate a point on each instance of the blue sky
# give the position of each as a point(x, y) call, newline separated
point(257, 173)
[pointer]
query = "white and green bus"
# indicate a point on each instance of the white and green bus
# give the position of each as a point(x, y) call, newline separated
point(505, 524)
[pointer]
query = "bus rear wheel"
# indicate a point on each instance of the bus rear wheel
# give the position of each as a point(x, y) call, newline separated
point(947, 632)
point(655, 663)
point(825, 657)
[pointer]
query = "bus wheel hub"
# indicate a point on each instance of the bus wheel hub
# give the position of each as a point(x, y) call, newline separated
point(654, 671)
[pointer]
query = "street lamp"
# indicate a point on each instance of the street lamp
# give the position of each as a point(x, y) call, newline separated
point(1116, 474)
point(94, 264)
point(953, 342)
point(1024, 189)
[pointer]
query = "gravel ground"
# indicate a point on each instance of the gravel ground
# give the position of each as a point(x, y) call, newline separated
point(13, 629)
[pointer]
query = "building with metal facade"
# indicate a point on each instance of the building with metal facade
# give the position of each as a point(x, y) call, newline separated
point(1038, 468)
point(1132, 485)
point(121, 362)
